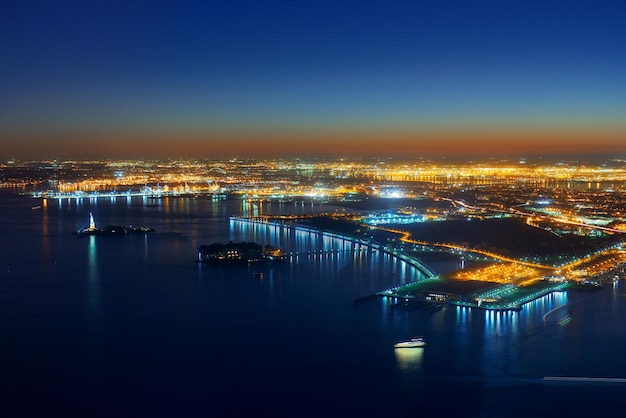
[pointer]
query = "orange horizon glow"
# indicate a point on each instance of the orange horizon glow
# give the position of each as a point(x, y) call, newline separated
point(318, 143)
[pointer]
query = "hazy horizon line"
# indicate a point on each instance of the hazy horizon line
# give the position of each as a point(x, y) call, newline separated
point(316, 144)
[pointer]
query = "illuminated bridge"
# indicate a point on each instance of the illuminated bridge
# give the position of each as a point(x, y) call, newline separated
point(359, 243)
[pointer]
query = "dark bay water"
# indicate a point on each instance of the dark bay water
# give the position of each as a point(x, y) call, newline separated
point(133, 326)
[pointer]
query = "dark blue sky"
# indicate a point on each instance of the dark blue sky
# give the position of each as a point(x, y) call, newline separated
point(111, 71)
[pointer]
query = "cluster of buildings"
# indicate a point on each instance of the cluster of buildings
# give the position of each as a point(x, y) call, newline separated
point(560, 198)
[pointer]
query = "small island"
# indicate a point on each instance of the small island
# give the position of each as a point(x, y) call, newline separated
point(92, 229)
point(239, 252)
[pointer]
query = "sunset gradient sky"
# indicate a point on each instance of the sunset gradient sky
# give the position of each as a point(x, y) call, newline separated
point(250, 78)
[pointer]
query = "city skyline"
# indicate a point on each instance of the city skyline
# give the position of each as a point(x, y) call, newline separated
point(283, 79)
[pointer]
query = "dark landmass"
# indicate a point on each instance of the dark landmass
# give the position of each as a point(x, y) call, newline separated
point(510, 237)
point(115, 230)
point(239, 252)
point(507, 236)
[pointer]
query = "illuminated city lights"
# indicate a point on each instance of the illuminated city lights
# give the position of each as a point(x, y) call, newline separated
point(562, 199)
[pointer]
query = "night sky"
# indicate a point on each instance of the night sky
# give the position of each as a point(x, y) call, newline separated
point(262, 78)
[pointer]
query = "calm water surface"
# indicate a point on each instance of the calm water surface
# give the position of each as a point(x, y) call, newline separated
point(133, 326)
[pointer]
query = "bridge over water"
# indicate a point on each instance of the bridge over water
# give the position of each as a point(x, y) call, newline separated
point(360, 244)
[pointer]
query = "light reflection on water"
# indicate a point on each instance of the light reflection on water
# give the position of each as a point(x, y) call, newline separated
point(100, 299)
point(463, 316)
point(308, 245)
point(92, 275)
point(501, 322)
point(489, 342)
point(409, 359)
point(534, 312)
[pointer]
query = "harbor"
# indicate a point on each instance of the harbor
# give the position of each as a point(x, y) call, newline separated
point(431, 292)
point(138, 290)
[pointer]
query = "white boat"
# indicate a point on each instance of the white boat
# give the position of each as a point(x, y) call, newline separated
point(412, 343)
